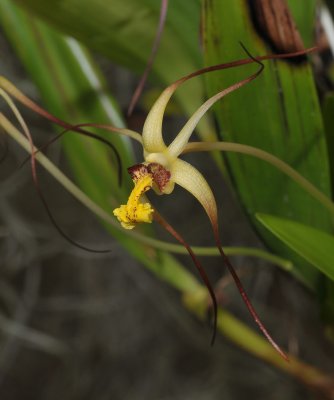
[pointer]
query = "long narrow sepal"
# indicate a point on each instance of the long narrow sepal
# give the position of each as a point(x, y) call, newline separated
point(193, 181)
point(8, 87)
point(198, 265)
point(152, 131)
point(181, 140)
point(244, 295)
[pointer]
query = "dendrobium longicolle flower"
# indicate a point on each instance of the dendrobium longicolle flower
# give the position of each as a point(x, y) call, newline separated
point(162, 168)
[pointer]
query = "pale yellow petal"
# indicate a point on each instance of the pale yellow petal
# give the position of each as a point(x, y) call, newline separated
point(152, 131)
point(181, 140)
point(193, 181)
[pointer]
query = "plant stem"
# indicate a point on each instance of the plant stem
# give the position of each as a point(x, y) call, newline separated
point(194, 294)
point(269, 158)
point(96, 209)
point(247, 339)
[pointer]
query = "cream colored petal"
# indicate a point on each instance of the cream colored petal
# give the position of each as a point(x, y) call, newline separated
point(181, 140)
point(185, 175)
point(152, 131)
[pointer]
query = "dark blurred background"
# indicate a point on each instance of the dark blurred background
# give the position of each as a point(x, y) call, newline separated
point(76, 325)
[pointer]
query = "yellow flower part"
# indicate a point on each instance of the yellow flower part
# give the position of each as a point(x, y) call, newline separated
point(135, 211)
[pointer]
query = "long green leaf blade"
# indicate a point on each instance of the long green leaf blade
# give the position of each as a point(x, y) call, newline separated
point(313, 245)
point(279, 112)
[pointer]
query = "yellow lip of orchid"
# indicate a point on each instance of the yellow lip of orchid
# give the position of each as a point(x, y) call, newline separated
point(135, 210)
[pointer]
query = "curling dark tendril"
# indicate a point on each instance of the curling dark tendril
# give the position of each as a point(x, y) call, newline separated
point(197, 264)
point(56, 225)
point(141, 84)
point(68, 127)
point(88, 134)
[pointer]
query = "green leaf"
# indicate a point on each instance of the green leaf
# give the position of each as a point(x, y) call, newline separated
point(124, 32)
point(328, 115)
point(312, 244)
point(278, 112)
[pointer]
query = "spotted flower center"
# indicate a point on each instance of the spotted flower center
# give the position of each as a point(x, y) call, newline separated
point(144, 176)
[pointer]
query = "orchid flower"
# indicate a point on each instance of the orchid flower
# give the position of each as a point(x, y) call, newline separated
point(162, 167)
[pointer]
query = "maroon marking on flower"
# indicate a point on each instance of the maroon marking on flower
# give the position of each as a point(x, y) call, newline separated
point(137, 171)
point(161, 176)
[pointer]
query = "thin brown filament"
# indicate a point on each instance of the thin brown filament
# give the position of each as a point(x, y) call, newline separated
point(26, 101)
point(214, 223)
point(84, 133)
point(244, 61)
point(27, 134)
point(197, 264)
point(141, 84)
point(243, 293)
point(46, 206)
point(54, 222)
